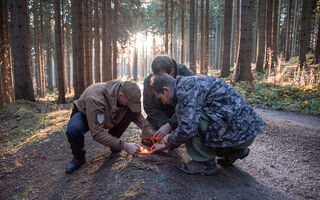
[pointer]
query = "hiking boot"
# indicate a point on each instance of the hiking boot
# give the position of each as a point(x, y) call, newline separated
point(194, 167)
point(74, 165)
point(232, 156)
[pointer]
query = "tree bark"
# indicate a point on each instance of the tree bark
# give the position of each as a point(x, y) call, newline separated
point(262, 34)
point(287, 50)
point(106, 40)
point(59, 53)
point(49, 56)
point(86, 35)
point(191, 37)
point(182, 31)
point(206, 41)
point(97, 74)
point(20, 49)
point(115, 40)
point(237, 34)
point(243, 68)
point(317, 51)
point(274, 58)
point(171, 28)
point(202, 70)
point(304, 33)
point(268, 33)
point(166, 15)
point(225, 71)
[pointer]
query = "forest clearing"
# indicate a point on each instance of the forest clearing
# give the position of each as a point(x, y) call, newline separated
point(76, 73)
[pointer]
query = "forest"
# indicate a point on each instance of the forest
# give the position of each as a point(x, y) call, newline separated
point(52, 50)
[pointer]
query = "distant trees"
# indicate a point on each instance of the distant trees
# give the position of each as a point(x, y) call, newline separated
point(225, 71)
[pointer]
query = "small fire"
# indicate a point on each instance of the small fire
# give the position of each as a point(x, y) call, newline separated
point(144, 151)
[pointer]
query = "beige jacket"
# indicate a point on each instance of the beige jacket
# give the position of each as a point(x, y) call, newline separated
point(99, 103)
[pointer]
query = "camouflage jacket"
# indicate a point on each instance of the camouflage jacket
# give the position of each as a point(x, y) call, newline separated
point(159, 113)
point(232, 121)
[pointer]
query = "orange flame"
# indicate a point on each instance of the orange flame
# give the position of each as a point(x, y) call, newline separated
point(144, 151)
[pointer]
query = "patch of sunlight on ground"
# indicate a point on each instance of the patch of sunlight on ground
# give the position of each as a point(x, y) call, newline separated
point(52, 123)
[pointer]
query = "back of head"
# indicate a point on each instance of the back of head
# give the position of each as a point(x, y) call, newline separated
point(162, 64)
point(161, 80)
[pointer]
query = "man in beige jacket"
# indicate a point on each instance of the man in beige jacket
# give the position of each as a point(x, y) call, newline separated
point(110, 105)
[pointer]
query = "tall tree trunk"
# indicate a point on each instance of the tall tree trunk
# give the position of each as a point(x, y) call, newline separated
point(166, 14)
point(86, 32)
point(202, 70)
point(106, 40)
point(68, 51)
point(21, 53)
point(206, 41)
point(304, 33)
point(78, 47)
point(115, 39)
point(287, 50)
point(243, 68)
point(97, 75)
point(274, 44)
point(42, 58)
point(59, 52)
point(268, 32)
point(191, 36)
point(4, 56)
point(294, 30)
point(37, 46)
point(182, 31)
point(135, 61)
point(317, 51)
point(196, 38)
point(237, 33)
point(225, 71)
point(262, 34)
point(171, 28)
point(49, 56)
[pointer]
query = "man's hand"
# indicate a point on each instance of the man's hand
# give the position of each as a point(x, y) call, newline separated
point(131, 148)
point(163, 131)
point(158, 147)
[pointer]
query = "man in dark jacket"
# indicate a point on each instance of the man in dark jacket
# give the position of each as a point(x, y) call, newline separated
point(214, 120)
point(161, 116)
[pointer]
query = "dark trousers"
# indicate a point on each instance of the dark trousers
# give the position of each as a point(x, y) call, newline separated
point(78, 126)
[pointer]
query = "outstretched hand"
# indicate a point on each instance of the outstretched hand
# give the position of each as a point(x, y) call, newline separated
point(162, 131)
point(158, 147)
point(131, 148)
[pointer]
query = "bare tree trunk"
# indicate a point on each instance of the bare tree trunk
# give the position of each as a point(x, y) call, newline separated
point(86, 31)
point(191, 36)
point(287, 50)
point(106, 47)
point(182, 31)
point(196, 37)
point(97, 75)
point(225, 71)
point(206, 41)
point(166, 14)
point(262, 34)
point(115, 39)
point(59, 53)
point(42, 58)
point(4, 57)
point(274, 44)
point(294, 30)
point(21, 53)
point(171, 29)
point(237, 32)
point(49, 56)
point(303, 34)
point(268, 32)
point(78, 47)
point(135, 61)
point(317, 51)
point(202, 70)
point(243, 69)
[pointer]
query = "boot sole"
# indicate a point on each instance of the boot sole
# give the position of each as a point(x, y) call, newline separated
point(205, 172)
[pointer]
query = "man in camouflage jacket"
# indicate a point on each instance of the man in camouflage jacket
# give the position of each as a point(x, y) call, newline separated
point(159, 115)
point(214, 120)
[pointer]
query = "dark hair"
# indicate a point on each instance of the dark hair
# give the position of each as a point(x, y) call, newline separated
point(162, 64)
point(160, 81)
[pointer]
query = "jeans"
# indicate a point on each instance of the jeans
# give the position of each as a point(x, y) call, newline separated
point(78, 126)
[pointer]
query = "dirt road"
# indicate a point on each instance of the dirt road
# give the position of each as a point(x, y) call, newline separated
point(284, 163)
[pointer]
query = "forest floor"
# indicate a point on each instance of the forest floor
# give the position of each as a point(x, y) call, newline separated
point(284, 162)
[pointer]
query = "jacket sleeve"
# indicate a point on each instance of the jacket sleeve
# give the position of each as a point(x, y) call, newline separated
point(190, 104)
point(99, 134)
point(149, 104)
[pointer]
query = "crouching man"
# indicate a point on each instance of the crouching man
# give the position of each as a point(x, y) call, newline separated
point(213, 120)
point(111, 105)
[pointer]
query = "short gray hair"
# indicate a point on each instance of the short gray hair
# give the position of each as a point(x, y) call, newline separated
point(160, 81)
